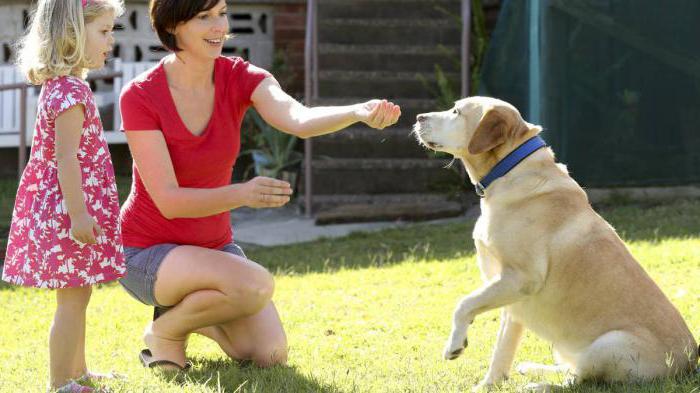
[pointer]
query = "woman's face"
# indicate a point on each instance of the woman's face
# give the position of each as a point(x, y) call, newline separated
point(99, 39)
point(203, 35)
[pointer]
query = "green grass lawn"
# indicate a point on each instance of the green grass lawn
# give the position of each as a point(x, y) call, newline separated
point(367, 313)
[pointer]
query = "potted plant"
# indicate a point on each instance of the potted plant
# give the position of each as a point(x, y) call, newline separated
point(274, 154)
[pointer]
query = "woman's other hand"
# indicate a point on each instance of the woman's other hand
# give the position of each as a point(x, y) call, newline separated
point(378, 114)
point(262, 192)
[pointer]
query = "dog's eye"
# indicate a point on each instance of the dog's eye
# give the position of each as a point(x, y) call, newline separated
point(455, 111)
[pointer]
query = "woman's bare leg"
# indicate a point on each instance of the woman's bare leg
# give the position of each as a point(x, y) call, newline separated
point(259, 338)
point(207, 287)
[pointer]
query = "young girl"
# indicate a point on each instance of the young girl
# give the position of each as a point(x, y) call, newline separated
point(64, 233)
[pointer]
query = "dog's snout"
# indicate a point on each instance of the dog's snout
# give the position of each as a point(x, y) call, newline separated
point(421, 117)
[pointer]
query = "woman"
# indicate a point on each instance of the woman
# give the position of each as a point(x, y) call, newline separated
point(182, 122)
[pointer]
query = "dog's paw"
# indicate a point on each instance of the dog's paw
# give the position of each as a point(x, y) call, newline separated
point(525, 368)
point(534, 387)
point(453, 351)
point(484, 386)
point(451, 354)
point(489, 384)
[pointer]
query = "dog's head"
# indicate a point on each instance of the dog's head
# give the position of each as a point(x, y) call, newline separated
point(475, 125)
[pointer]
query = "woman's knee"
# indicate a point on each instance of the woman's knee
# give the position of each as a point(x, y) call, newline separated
point(252, 294)
point(269, 359)
point(271, 355)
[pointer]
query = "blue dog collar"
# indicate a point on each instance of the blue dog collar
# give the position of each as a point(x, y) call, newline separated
point(509, 162)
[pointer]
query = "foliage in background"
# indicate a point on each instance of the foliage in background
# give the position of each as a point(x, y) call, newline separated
point(480, 41)
point(274, 150)
point(8, 190)
point(444, 90)
point(256, 134)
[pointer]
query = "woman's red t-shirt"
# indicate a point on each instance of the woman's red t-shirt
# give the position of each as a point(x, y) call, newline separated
point(204, 161)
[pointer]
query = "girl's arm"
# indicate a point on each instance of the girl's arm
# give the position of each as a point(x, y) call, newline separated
point(286, 114)
point(150, 153)
point(69, 127)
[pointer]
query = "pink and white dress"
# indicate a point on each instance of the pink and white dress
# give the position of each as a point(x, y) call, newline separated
point(40, 251)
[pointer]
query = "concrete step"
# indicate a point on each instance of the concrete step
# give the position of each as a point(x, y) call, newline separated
point(390, 212)
point(389, 31)
point(381, 176)
point(389, 57)
point(389, 8)
point(362, 141)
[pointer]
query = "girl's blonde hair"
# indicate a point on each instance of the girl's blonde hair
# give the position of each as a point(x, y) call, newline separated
point(55, 42)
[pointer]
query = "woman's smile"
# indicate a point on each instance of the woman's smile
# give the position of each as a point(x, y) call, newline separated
point(217, 42)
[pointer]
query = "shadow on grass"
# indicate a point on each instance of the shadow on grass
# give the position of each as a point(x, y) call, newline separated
point(5, 286)
point(684, 384)
point(634, 222)
point(360, 250)
point(654, 221)
point(222, 375)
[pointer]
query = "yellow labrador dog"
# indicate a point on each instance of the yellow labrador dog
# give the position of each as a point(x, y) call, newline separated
point(552, 263)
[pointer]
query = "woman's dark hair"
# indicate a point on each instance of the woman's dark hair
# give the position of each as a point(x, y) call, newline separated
point(167, 14)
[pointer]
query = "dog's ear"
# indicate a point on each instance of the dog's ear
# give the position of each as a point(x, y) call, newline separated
point(490, 132)
point(497, 126)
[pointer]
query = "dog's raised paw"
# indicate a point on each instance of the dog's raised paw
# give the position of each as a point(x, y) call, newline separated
point(452, 354)
point(455, 346)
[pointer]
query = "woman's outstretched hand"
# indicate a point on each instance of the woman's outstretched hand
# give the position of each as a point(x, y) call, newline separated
point(378, 113)
point(262, 192)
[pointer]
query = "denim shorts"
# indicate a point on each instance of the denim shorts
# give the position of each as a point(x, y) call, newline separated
point(142, 270)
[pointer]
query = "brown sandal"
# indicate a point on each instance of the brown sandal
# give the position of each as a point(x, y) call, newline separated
point(146, 358)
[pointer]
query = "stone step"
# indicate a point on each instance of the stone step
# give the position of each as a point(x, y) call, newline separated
point(389, 212)
point(323, 202)
point(389, 57)
point(386, 84)
point(383, 75)
point(410, 107)
point(381, 176)
point(389, 9)
point(362, 141)
point(389, 31)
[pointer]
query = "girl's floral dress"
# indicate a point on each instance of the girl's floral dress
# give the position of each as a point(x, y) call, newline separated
point(40, 251)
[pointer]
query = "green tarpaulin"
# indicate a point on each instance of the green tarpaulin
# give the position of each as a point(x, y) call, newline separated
point(615, 84)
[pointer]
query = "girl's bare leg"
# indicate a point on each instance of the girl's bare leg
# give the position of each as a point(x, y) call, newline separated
point(67, 335)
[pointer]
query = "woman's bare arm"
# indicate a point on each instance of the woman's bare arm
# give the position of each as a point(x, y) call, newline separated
point(288, 115)
point(153, 161)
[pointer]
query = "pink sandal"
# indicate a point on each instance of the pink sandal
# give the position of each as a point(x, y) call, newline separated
point(74, 387)
point(99, 377)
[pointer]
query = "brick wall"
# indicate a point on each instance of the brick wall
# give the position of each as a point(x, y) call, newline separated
point(290, 28)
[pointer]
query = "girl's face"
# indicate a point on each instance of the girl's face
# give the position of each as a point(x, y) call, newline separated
point(203, 36)
point(100, 39)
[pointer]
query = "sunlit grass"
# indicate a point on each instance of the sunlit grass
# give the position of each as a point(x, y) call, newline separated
point(367, 313)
